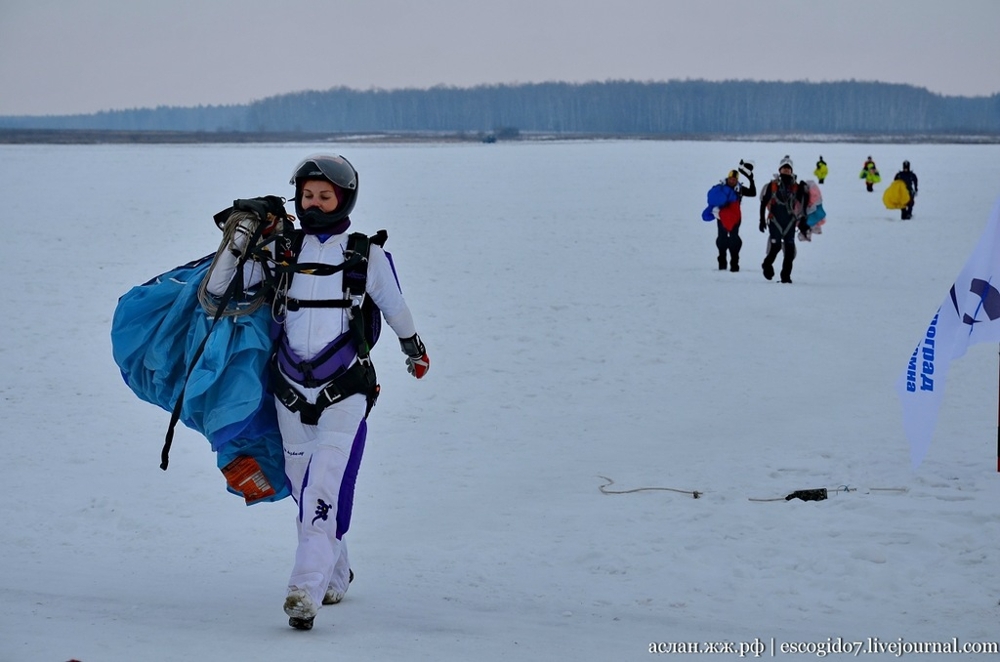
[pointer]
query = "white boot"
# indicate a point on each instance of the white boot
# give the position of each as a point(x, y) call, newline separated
point(333, 596)
point(301, 608)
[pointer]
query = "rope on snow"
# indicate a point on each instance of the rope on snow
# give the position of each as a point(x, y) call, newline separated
point(818, 494)
point(694, 493)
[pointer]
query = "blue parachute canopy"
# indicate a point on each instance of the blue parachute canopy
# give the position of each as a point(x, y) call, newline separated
point(155, 333)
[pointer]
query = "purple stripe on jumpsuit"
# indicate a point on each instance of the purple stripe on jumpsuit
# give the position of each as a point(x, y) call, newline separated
point(345, 500)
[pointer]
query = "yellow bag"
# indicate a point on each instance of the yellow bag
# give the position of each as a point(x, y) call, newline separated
point(896, 196)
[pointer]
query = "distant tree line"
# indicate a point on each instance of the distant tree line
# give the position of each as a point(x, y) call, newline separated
point(613, 107)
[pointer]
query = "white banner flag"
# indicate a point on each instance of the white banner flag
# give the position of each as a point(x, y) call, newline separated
point(970, 314)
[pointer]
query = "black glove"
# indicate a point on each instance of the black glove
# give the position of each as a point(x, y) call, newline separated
point(763, 225)
point(270, 209)
point(268, 204)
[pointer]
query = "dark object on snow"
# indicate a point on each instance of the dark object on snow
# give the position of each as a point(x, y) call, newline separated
point(808, 495)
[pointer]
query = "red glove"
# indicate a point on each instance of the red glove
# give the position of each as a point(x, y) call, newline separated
point(418, 366)
point(417, 361)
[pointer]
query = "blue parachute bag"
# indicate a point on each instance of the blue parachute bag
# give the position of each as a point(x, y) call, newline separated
point(718, 196)
point(155, 333)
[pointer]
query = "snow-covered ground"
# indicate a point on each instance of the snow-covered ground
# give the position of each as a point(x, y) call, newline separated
point(578, 328)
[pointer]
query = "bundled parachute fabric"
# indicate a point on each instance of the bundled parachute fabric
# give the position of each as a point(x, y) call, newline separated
point(721, 199)
point(870, 175)
point(896, 196)
point(155, 333)
point(815, 214)
point(821, 171)
point(730, 215)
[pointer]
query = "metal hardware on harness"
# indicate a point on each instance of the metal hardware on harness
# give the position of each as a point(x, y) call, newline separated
point(360, 378)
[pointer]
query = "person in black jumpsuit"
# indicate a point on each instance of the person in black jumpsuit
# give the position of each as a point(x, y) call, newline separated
point(783, 205)
point(910, 179)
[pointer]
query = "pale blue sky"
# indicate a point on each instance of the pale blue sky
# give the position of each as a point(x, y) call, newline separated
point(68, 56)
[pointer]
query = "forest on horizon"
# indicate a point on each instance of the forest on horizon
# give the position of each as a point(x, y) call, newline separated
point(664, 109)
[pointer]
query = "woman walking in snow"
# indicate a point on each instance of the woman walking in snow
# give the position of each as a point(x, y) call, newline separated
point(322, 376)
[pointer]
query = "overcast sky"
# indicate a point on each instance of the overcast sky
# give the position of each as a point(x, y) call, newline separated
point(74, 56)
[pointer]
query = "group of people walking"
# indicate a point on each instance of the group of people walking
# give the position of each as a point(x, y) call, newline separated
point(786, 205)
point(869, 173)
point(783, 205)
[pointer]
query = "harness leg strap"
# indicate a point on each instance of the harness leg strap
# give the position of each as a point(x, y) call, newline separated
point(359, 378)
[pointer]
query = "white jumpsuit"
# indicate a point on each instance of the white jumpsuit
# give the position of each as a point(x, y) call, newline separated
point(316, 456)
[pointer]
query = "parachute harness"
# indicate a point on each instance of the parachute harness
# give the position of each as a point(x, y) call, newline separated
point(784, 195)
